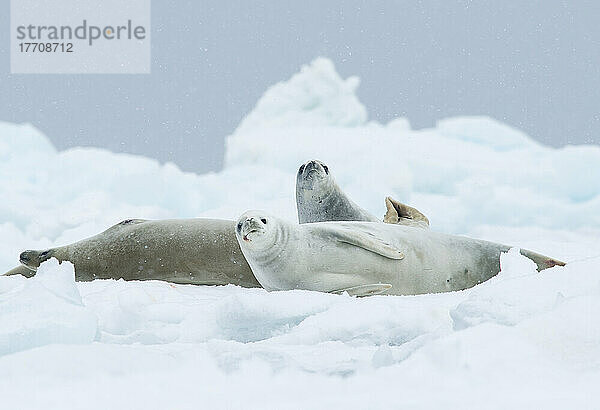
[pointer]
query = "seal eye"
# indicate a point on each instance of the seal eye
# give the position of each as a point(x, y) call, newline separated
point(301, 169)
point(239, 227)
point(326, 169)
point(263, 220)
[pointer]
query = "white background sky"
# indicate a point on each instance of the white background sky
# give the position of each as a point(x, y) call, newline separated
point(534, 65)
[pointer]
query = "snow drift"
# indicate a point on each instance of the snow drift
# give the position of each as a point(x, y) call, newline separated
point(522, 339)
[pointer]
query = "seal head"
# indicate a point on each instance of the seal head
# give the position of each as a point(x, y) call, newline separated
point(320, 199)
point(263, 239)
point(253, 230)
point(314, 181)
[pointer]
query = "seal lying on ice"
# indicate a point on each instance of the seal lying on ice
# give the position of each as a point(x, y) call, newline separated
point(188, 251)
point(366, 258)
point(320, 199)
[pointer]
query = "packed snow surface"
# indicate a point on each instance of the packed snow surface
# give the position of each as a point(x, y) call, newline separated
point(521, 340)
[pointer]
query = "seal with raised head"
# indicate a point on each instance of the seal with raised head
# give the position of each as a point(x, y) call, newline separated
point(188, 251)
point(319, 199)
point(365, 258)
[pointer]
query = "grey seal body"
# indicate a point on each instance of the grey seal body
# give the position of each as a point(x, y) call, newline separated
point(319, 199)
point(188, 251)
point(366, 258)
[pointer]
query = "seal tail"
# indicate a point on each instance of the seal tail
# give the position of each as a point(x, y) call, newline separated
point(33, 259)
point(542, 262)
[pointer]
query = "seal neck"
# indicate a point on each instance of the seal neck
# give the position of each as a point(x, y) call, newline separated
point(280, 244)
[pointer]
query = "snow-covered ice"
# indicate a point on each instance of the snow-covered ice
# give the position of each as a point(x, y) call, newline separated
point(521, 340)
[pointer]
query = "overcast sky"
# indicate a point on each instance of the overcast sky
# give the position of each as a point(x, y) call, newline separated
point(534, 65)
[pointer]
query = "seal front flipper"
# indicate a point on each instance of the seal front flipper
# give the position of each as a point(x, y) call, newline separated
point(366, 241)
point(402, 214)
point(364, 290)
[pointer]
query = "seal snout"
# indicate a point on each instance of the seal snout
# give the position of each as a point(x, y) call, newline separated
point(313, 171)
point(314, 166)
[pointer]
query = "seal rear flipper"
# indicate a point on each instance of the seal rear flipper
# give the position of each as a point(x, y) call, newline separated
point(366, 241)
point(542, 262)
point(364, 290)
point(21, 270)
point(399, 213)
